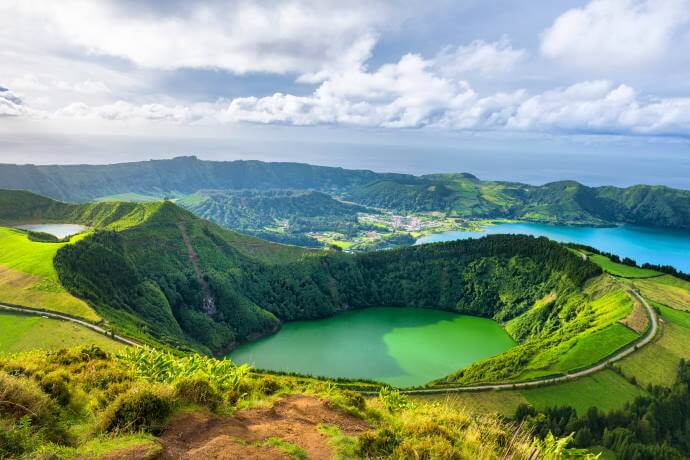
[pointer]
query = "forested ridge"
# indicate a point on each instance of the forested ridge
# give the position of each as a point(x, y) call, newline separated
point(565, 202)
point(462, 194)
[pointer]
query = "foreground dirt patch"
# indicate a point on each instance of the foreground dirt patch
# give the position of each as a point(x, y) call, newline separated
point(294, 419)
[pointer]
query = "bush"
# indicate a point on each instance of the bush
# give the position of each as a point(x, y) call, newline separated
point(17, 438)
point(393, 400)
point(84, 354)
point(141, 408)
point(55, 384)
point(354, 399)
point(378, 444)
point(269, 385)
point(198, 390)
point(20, 397)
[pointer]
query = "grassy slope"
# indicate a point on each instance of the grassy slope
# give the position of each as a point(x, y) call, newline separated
point(624, 271)
point(581, 331)
point(605, 390)
point(657, 362)
point(666, 290)
point(28, 278)
point(23, 333)
point(106, 404)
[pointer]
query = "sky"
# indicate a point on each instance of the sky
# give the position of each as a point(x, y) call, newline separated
point(597, 90)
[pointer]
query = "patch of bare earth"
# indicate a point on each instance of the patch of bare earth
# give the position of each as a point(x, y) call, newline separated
point(294, 419)
point(138, 452)
point(637, 320)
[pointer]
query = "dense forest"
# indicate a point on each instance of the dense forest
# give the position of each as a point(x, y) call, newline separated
point(460, 194)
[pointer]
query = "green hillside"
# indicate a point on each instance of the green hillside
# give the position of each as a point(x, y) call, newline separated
point(182, 175)
point(162, 275)
point(566, 202)
point(460, 194)
point(158, 273)
point(283, 216)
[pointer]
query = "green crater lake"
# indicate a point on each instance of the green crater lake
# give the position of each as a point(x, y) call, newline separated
point(399, 346)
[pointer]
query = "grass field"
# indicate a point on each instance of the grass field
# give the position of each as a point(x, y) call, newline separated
point(605, 390)
point(23, 333)
point(595, 347)
point(624, 271)
point(657, 362)
point(666, 290)
point(28, 278)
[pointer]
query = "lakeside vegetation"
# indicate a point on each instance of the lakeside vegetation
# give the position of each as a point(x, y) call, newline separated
point(175, 280)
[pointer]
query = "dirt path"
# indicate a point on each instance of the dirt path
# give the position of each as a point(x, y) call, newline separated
point(294, 419)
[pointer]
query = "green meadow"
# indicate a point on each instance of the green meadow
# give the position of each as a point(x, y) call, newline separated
point(28, 277)
point(19, 333)
point(622, 270)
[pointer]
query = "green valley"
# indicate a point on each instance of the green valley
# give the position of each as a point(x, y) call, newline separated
point(156, 273)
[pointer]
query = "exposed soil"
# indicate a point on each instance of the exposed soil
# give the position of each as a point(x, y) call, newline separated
point(637, 320)
point(295, 419)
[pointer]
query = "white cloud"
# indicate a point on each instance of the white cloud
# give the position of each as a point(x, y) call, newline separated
point(609, 34)
point(293, 36)
point(11, 105)
point(486, 59)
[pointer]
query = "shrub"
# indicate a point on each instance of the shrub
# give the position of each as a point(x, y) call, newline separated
point(393, 400)
point(77, 355)
point(20, 397)
point(55, 384)
point(354, 399)
point(160, 366)
point(17, 438)
point(198, 390)
point(141, 408)
point(269, 385)
point(378, 444)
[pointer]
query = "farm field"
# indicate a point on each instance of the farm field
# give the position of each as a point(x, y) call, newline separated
point(28, 278)
point(666, 290)
point(656, 364)
point(19, 333)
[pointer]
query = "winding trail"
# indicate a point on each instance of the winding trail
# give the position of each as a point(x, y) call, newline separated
point(47, 314)
point(631, 348)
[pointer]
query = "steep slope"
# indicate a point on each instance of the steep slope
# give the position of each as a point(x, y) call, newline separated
point(159, 277)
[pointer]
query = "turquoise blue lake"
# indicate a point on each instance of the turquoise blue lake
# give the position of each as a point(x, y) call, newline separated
point(643, 244)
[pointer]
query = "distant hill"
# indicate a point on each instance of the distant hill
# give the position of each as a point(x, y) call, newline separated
point(565, 202)
point(459, 194)
point(182, 175)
